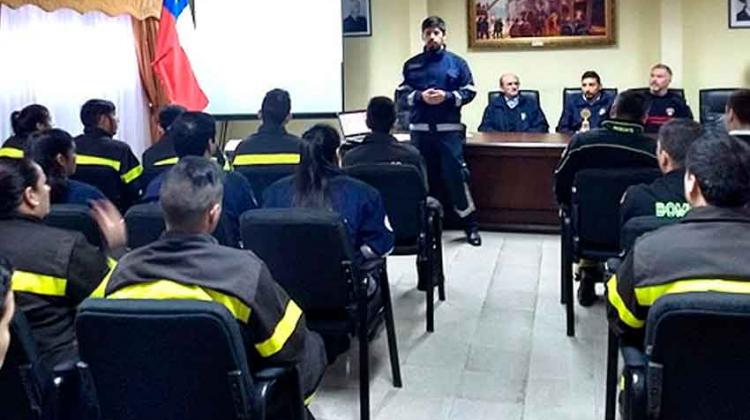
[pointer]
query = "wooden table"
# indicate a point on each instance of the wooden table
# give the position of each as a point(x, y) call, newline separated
point(512, 179)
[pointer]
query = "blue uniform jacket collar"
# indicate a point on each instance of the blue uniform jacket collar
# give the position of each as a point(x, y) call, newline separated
point(189, 237)
point(376, 137)
point(717, 214)
point(272, 129)
point(500, 101)
point(96, 132)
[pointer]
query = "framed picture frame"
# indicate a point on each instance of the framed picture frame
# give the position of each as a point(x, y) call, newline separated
point(739, 14)
point(527, 24)
point(357, 18)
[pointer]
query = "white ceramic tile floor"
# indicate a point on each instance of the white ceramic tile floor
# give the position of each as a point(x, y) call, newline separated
point(499, 349)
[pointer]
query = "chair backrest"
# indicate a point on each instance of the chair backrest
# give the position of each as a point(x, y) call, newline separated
point(262, 176)
point(596, 205)
point(677, 91)
point(403, 193)
point(145, 224)
point(637, 226)
point(701, 341)
point(307, 251)
point(75, 217)
point(570, 93)
point(531, 95)
point(713, 103)
point(166, 359)
point(24, 380)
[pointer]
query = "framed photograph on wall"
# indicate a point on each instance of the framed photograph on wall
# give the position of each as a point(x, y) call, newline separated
point(507, 24)
point(357, 17)
point(739, 14)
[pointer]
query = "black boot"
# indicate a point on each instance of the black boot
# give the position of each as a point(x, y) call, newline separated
point(472, 236)
point(588, 277)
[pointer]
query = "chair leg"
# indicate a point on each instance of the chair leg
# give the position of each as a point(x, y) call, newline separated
point(438, 256)
point(364, 362)
point(564, 257)
point(430, 297)
point(610, 407)
point(390, 327)
point(569, 303)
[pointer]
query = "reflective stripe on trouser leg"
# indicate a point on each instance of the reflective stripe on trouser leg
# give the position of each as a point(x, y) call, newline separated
point(455, 173)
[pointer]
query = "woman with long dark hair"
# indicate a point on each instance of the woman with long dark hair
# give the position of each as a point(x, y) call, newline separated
point(55, 151)
point(320, 183)
point(25, 122)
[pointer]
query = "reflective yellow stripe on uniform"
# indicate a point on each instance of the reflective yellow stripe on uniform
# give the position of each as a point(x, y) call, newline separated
point(267, 159)
point(647, 295)
point(11, 152)
point(132, 174)
point(622, 310)
point(167, 289)
point(168, 161)
point(87, 160)
point(309, 399)
point(102, 287)
point(282, 332)
point(39, 284)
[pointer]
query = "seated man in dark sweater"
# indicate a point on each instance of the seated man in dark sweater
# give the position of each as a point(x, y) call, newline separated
point(620, 143)
point(511, 112)
point(737, 117)
point(665, 196)
point(661, 104)
point(381, 146)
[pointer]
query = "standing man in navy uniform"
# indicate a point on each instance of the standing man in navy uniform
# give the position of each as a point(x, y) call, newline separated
point(437, 83)
point(588, 110)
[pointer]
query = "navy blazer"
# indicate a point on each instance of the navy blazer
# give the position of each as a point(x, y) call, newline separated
point(526, 117)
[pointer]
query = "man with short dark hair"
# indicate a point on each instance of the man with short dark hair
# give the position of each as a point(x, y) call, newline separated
point(620, 143)
point(161, 156)
point(706, 251)
point(187, 263)
point(588, 110)
point(665, 197)
point(737, 117)
point(512, 112)
point(272, 144)
point(437, 83)
point(381, 146)
point(103, 162)
point(661, 104)
point(193, 134)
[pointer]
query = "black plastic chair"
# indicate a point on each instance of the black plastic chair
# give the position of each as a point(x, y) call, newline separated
point(175, 359)
point(713, 103)
point(696, 362)
point(310, 255)
point(144, 224)
point(77, 218)
point(26, 385)
point(591, 227)
point(571, 93)
point(417, 226)
point(261, 177)
point(531, 95)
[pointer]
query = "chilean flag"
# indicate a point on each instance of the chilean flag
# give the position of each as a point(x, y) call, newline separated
point(172, 65)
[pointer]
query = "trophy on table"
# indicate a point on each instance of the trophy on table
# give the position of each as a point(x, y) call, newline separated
point(585, 125)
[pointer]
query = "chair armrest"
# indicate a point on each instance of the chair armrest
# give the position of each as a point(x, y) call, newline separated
point(276, 393)
point(372, 264)
point(633, 398)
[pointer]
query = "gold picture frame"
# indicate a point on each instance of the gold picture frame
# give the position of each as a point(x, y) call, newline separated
point(532, 24)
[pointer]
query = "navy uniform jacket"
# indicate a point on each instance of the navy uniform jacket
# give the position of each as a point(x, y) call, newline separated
point(14, 147)
point(238, 198)
point(700, 252)
point(196, 267)
point(571, 120)
point(271, 145)
point(438, 70)
point(54, 271)
point(526, 117)
point(384, 148)
point(741, 134)
point(109, 165)
point(660, 109)
point(359, 204)
point(616, 145)
point(159, 157)
point(79, 193)
point(665, 197)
